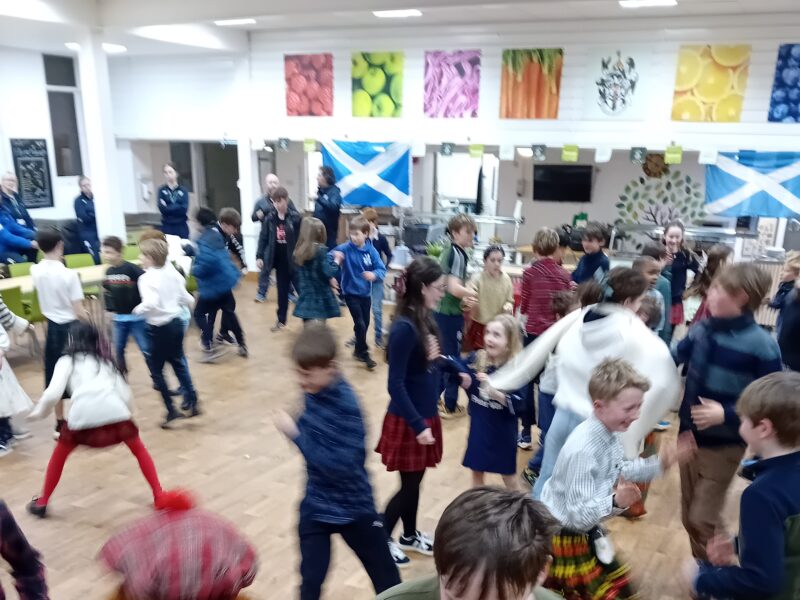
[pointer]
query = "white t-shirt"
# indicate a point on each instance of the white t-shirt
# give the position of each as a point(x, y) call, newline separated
point(164, 295)
point(58, 287)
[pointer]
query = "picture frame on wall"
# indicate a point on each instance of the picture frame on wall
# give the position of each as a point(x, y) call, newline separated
point(32, 167)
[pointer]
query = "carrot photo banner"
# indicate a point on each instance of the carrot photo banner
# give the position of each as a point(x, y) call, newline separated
point(452, 83)
point(531, 83)
point(377, 84)
point(309, 85)
point(710, 83)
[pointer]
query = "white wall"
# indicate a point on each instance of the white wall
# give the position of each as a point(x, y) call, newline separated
point(25, 113)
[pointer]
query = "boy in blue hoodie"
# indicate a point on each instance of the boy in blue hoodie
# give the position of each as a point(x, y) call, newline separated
point(593, 264)
point(216, 277)
point(769, 536)
point(724, 354)
point(331, 437)
point(361, 266)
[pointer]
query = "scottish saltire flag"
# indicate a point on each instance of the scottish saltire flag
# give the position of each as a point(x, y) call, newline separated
point(371, 174)
point(754, 184)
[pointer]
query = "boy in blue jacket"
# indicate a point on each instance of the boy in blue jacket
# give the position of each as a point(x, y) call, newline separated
point(724, 354)
point(331, 437)
point(216, 277)
point(361, 266)
point(769, 521)
point(593, 264)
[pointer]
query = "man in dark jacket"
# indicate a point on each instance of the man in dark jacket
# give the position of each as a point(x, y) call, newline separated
point(216, 277)
point(17, 230)
point(262, 208)
point(275, 249)
point(328, 204)
point(87, 223)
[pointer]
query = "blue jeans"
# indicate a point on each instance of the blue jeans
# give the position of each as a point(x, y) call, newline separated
point(564, 422)
point(263, 282)
point(377, 310)
point(122, 331)
point(451, 331)
point(546, 411)
point(166, 344)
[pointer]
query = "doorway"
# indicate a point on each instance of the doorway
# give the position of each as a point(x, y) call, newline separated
point(221, 166)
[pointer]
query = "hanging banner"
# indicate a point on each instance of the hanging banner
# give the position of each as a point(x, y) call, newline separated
point(754, 184)
point(784, 104)
point(309, 85)
point(452, 83)
point(32, 166)
point(310, 145)
point(638, 155)
point(377, 79)
point(620, 84)
point(569, 154)
point(446, 149)
point(476, 150)
point(673, 155)
point(283, 144)
point(710, 83)
point(530, 83)
point(539, 152)
point(507, 152)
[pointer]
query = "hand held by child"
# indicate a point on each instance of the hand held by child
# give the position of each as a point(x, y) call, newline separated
point(338, 257)
point(426, 438)
point(369, 275)
point(626, 493)
point(334, 284)
point(466, 380)
point(508, 307)
point(707, 414)
point(720, 550)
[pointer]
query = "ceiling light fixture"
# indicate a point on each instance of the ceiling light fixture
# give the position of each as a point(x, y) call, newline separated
point(234, 22)
point(114, 48)
point(525, 152)
point(74, 46)
point(397, 14)
point(646, 3)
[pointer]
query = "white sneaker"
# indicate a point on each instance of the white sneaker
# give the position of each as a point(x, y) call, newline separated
point(421, 543)
point(399, 557)
point(6, 449)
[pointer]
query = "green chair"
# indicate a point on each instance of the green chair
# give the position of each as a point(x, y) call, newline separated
point(76, 261)
point(19, 269)
point(130, 253)
point(27, 306)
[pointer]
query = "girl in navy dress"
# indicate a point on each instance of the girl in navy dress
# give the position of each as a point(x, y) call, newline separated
point(173, 202)
point(411, 438)
point(492, 443)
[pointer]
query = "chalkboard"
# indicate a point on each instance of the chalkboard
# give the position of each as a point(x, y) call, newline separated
point(32, 166)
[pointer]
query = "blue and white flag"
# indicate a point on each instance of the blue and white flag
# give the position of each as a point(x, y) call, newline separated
point(371, 174)
point(754, 184)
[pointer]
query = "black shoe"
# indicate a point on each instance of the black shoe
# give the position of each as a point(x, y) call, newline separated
point(35, 509)
point(225, 338)
point(173, 416)
point(176, 392)
point(194, 412)
point(243, 352)
point(371, 364)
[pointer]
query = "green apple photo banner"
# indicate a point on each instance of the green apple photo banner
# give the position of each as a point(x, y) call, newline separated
point(378, 84)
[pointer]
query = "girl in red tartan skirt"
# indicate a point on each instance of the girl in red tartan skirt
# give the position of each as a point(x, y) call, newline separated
point(411, 439)
point(100, 412)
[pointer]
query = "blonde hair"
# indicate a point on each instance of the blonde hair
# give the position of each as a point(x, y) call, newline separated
point(370, 214)
point(792, 260)
point(152, 234)
point(513, 335)
point(545, 242)
point(459, 222)
point(748, 278)
point(312, 235)
point(774, 397)
point(612, 376)
point(156, 250)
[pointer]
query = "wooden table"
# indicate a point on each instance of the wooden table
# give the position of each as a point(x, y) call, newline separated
point(88, 275)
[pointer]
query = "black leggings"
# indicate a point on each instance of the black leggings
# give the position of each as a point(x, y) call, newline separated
point(404, 503)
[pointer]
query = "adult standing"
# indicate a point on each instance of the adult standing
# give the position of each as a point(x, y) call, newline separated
point(17, 231)
point(328, 204)
point(173, 202)
point(87, 222)
point(262, 208)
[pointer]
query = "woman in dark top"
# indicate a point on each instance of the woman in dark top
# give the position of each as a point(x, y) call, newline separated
point(173, 202)
point(411, 438)
point(328, 204)
point(789, 332)
point(681, 260)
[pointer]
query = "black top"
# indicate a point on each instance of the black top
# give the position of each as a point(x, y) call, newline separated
point(789, 332)
point(121, 288)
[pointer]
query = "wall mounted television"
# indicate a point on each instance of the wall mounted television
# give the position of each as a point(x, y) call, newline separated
point(562, 183)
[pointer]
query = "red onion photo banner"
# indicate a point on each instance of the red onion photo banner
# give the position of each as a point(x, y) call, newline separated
point(452, 83)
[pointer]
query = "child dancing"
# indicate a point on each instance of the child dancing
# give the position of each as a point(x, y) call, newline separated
point(316, 274)
point(495, 295)
point(100, 411)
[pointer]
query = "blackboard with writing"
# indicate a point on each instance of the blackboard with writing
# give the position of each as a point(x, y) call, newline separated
point(32, 166)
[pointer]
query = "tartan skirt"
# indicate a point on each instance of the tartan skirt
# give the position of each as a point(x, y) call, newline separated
point(400, 450)
point(576, 573)
point(100, 437)
point(676, 314)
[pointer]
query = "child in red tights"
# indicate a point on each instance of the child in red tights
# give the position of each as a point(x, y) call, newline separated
point(100, 413)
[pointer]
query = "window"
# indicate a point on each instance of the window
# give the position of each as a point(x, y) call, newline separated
point(63, 97)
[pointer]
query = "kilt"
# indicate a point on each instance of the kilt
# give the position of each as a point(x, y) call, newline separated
point(676, 315)
point(577, 574)
point(400, 450)
point(473, 340)
point(100, 437)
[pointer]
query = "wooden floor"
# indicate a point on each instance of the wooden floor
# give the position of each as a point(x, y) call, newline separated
point(240, 467)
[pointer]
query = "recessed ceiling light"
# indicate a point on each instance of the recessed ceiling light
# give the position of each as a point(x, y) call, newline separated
point(114, 48)
point(397, 14)
point(525, 152)
point(646, 3)
point(234, 22)
point(74, 46)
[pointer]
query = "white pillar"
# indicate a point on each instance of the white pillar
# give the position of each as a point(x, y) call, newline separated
point(101, 147)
